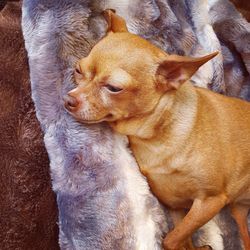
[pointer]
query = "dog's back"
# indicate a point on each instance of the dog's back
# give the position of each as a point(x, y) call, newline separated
point(224, 123)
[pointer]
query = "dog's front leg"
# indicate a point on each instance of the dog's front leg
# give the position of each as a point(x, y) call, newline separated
point(200, 213)
point(177, 216)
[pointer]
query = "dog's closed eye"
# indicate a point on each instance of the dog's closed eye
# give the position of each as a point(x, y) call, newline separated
point(112, 88)
point(78, 74)
point(77, 70)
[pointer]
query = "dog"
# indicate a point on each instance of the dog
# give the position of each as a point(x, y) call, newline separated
point(193, 145)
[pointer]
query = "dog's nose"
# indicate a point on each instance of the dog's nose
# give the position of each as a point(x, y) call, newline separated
point(70, 102)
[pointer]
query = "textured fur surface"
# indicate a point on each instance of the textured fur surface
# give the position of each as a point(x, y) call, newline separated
point(243, 7)
point(93, 174)
point(27, 203)
point(234, 36)
point(104, 202)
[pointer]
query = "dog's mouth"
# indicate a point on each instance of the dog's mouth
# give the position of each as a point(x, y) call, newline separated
point(107, 118)
point(90, 121)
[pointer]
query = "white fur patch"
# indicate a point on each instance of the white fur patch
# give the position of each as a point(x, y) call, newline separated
point(121, 6)
point(105, 97)
point(137, 191)
point(120, 78)
point(212, 235)
point(207, 39)
point(211, 3)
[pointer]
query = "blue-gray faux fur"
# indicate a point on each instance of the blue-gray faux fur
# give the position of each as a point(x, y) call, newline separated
point(103, 200)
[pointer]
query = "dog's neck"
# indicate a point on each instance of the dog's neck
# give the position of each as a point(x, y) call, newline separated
point(172, 110)
point(144, 126)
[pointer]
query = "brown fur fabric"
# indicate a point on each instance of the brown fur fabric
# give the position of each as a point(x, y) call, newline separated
point(243, 7)
point(27, 204)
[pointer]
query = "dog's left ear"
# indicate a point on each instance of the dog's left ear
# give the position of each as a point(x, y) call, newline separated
point(115, 22)
point(175, 70)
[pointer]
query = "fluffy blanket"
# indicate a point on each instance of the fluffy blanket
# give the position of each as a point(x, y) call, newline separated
point(27, 204)
point(103, 201)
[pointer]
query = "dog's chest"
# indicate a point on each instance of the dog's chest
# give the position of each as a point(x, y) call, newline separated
point(175, 187)
point(171, 177)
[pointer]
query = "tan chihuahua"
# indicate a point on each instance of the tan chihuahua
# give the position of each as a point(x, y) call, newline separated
point(193, 145)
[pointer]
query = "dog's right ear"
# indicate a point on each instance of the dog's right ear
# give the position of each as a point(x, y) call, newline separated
point(115, 22)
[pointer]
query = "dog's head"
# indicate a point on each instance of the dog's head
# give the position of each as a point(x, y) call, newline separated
point(124, 76)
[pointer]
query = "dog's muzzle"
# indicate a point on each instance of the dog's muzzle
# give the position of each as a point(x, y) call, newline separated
point(70, 102)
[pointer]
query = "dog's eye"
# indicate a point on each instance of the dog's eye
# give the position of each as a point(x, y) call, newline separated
point(78, 75)
point(77, 70)
point(113, 89)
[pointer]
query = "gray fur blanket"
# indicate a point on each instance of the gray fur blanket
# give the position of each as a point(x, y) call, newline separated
point(103, 200)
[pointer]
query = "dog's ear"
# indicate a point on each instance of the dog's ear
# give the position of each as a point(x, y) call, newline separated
point(115, 22)
point(175, 70)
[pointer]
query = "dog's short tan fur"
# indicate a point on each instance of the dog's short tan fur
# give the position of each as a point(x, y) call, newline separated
point(192, 145)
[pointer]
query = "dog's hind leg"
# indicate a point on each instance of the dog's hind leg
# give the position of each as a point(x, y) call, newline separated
point(239, 213)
